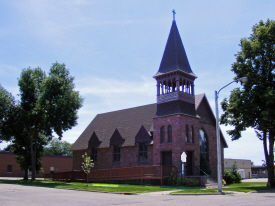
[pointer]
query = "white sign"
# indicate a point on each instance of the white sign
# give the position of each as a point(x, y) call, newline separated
point(183, 157)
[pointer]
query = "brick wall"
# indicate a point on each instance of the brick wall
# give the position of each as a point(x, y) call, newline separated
point(178, 145)
point(128, 158)
point(8, 158)
point(59, 163)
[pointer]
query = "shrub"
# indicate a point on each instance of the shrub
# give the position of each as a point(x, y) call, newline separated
point(187, 182)
point(223, 182)
point(232, 176)
point(171, 180)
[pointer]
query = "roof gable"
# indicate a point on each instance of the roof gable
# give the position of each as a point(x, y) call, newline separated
point(116, 138)
point(206, 114)
point(142, 135)
point(94, 141)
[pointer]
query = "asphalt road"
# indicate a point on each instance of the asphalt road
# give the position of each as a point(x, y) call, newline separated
point(11, 194)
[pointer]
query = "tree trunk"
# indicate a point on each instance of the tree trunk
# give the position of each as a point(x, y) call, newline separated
point(26, 175)
point(270, 160)
point(32, 159)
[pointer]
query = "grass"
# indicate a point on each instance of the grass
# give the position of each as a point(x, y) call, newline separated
point(248, 187)
point(124, 188)
point(121, 188)
point(238, 187)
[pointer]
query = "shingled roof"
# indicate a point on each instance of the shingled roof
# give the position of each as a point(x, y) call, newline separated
point(127, 122)
point(174, 56)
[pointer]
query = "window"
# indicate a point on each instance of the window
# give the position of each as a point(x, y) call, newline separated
point(162, 134)
point(116, 152)
point(9, 168)
point(203, 144)
point(192, 134)
point(187, 134)
point(94, 154)
point(142, 152)
point(169, 133)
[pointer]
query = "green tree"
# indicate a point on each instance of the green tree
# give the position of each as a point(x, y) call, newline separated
point(7, 106)
point(47, 104)
point(58, 147)
point(87, 165)
point(20, 146)
point(253, 106)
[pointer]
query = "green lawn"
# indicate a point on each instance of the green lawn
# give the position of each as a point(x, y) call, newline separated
point(92, 186)
point(238, 187)
point(124, 188)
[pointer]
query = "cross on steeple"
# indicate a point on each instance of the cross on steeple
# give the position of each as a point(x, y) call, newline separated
point(174, 12)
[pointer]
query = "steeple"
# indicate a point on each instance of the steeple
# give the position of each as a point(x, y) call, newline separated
point(175, 78)
point(174, 56)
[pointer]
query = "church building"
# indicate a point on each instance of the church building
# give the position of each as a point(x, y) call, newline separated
point(158, 133)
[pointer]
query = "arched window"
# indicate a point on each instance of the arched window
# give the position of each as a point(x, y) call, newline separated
point(162, 134)
point(192, 134)
point(169, 133)
point(203, 144)
point(187, 133)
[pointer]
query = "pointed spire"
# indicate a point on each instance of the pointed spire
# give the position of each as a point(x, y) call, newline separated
point(174, 56)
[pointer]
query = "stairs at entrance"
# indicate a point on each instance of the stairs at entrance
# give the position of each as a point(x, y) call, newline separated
point(210, 183)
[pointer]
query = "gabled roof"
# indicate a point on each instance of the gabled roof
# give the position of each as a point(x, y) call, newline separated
point(174, 56)
point(128, 123)
point(206, 114)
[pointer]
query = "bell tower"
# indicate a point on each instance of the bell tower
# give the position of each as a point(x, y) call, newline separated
point(175, 78)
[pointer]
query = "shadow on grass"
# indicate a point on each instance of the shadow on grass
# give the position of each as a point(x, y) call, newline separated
point(258, 189)
point(101, 187)
point(37, 183)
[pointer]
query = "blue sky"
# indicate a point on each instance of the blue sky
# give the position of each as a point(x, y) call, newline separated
point(113, 48)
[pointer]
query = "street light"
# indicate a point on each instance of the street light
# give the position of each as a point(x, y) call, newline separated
point(219, 166)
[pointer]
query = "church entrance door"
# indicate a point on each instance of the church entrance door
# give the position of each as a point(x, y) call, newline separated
point(166, 158)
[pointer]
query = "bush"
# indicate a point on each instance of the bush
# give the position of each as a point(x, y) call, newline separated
point(228, 177)
point(223, 182)
point(171, 181)
point(187, 182)
point(232, 176)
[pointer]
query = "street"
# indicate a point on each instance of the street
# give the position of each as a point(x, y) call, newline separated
point(12, 194)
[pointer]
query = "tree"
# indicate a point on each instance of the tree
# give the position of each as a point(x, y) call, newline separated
point(87, 164)
point(47, 105)
point(21, 148)
point(58, 147)
point(252, 163)
point(253, 106)
point(7, 105)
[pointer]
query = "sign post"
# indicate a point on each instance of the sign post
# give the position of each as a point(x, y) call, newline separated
point(183, 159)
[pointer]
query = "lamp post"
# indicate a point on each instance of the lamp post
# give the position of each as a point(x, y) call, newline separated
point(219, 165)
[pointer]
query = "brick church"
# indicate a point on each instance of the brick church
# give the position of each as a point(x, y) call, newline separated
point(157, 134)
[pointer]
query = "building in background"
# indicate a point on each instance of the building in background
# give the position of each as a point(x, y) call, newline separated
point(259, 172)
point(50, 163)
point(244, 166)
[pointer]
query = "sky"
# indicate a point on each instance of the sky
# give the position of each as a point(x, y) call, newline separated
point(114, 48)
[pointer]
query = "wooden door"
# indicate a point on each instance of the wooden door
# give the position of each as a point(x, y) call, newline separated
point(167, 158)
